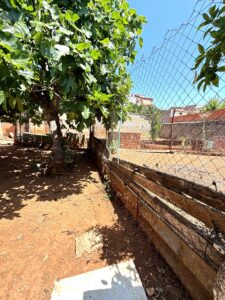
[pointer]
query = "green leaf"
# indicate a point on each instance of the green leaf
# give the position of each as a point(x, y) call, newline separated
point(87, 33)
point(106, 41)
point(95, 54)
point(103, 69)
point(201, 49)
point(12, 102)
point(64, 31)
point(215, 82)
point(83, 46)
point(20, 60)
point(116, 15)
point(68, 84)
point(104, 111)
point(27, 7)
point(21, 29)
point(39, 26)
point(199, 61)
point(221, 69)
point(141, 42)
point(13, 3)
point(8, 41)
point(54, 12)
point(200, 84)
point(212, 11)
point(206, 17)
point(19, 104)
point(2, 97)
point(71, 17)
point(86, 112)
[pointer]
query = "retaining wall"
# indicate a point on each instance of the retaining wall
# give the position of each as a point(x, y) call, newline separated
point(184, 220)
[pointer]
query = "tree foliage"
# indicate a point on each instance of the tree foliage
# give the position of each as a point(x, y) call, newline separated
point(213, 104)
point(210, 60)
point(154, 117)
point(66, 57)
point(137, 108)
point(152, 113)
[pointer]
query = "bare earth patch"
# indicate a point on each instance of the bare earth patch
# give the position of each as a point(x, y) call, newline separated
point(58, 227)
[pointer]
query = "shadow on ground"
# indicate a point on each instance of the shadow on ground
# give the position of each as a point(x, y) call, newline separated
point(21, 182)
point(125, 240)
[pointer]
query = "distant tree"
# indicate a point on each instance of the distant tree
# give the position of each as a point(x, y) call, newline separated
point(213, 104)
point(210, 60)
point(137, 108)
point(63, 57)
point(154, 116)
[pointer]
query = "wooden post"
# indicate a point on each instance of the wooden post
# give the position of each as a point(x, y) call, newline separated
point(171, 132)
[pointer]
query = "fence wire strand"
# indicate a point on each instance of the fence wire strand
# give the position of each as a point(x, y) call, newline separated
point(191, 142)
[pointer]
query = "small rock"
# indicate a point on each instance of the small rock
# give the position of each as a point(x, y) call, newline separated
point(150, 291)
point(46, 291)
point(46, 257)
point(19, 237)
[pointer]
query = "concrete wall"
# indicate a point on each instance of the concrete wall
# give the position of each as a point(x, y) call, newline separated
point(6, 129)
point(135, 123)
point(213, 131)
point(194, 130)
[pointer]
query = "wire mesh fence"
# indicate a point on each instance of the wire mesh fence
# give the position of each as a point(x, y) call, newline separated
point(169, 128)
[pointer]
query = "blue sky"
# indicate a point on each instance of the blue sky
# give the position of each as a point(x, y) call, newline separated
point(162, 15)
point(166, 75)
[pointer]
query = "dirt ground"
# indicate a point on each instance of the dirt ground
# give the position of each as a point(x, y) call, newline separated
point(41, 217)
point(202, 169)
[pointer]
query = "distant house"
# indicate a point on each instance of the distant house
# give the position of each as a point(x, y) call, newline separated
point(204, 131)
point(140, 100)
point(173, 112)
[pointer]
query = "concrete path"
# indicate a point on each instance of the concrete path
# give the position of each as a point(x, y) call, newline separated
point(116, 282)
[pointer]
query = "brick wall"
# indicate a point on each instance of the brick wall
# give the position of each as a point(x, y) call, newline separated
point(128, 140)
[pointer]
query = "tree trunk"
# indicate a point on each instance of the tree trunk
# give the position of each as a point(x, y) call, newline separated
point(57, 165)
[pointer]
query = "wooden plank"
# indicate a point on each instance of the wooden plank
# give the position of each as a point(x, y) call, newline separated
point(196, 275)
point(195, 288)
point(189, 232)
point(180, 185)
point(129, 197)
point(186, 230)
point(201, 272)
point(208, 215)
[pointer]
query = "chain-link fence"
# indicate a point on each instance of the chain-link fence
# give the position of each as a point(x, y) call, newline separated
point(169, 128)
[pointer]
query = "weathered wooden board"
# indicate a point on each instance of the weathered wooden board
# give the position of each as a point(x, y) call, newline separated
point(207, 214)
point(187, 231)
point(195, 288)
point(196, 276)
point(184, 260)
point(182, 186)
point(129, 197)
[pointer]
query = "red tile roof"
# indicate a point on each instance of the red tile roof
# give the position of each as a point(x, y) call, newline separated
point(208, 116)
